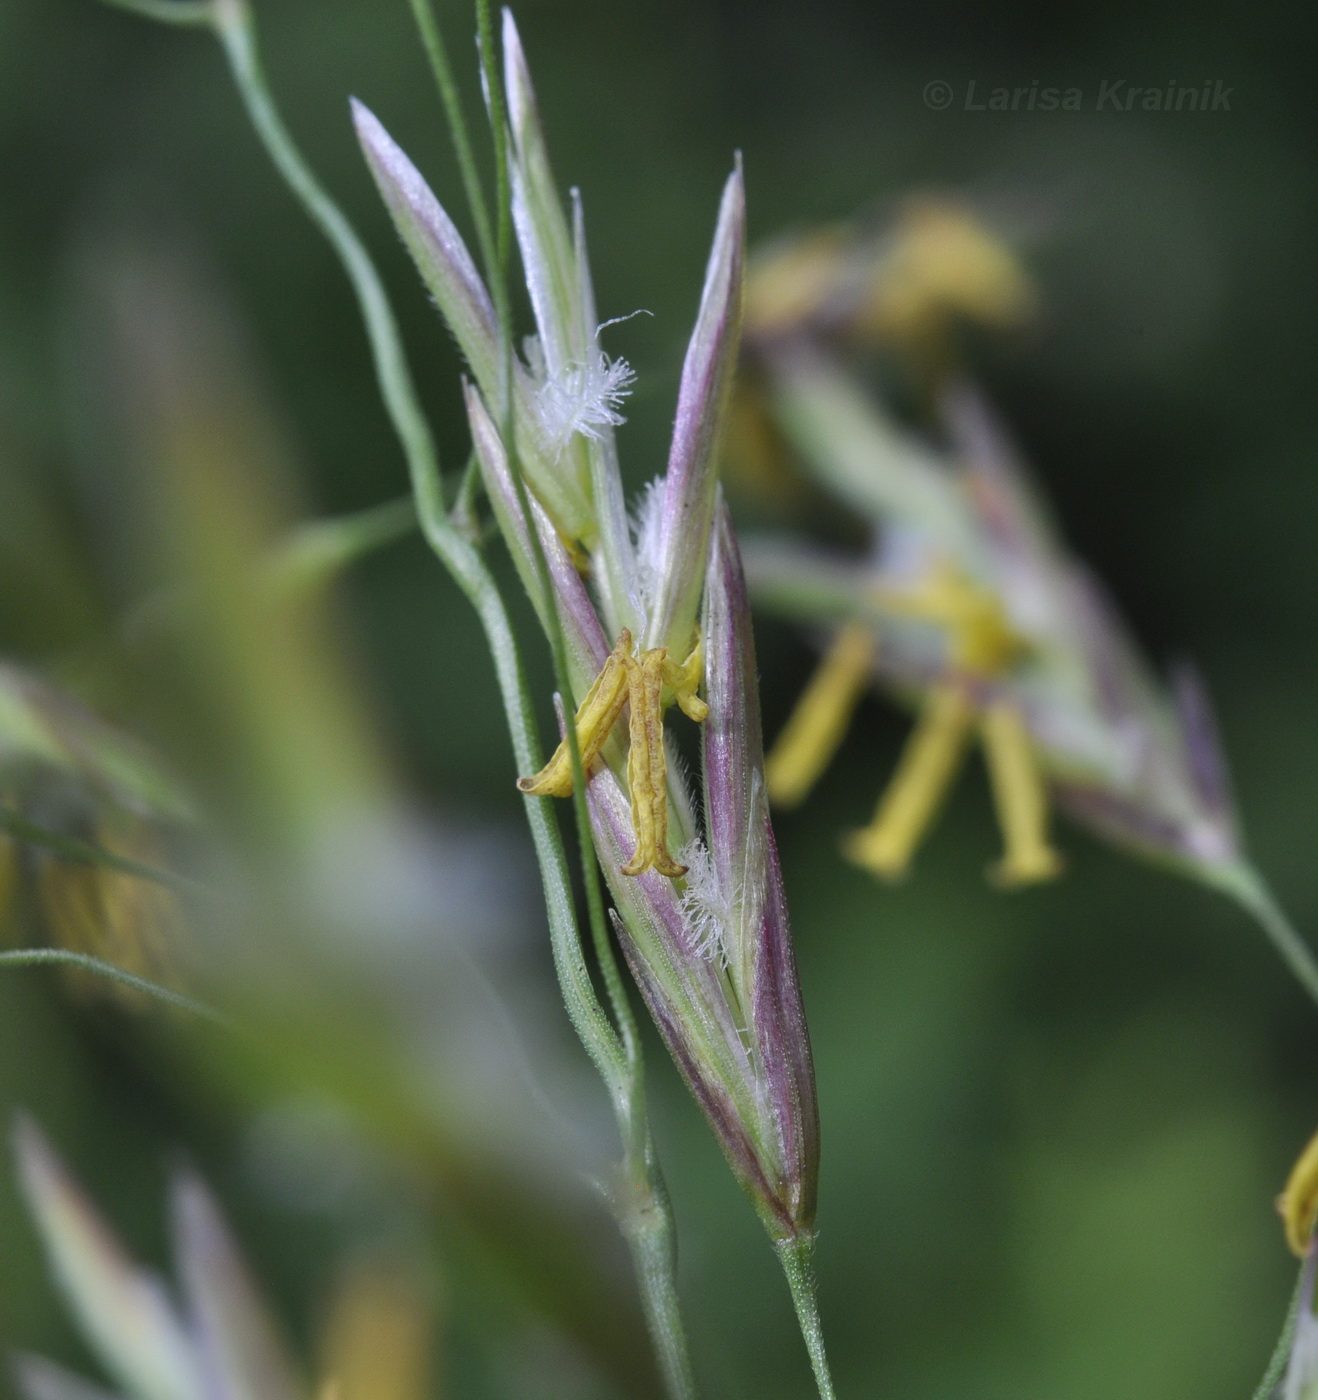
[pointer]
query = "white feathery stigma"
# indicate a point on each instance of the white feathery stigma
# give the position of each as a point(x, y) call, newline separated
point(578, 398)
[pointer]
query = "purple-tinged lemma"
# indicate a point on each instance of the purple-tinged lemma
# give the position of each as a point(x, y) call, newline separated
point(651, 611)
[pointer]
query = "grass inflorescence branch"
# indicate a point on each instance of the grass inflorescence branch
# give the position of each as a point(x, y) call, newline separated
point(613, 1049)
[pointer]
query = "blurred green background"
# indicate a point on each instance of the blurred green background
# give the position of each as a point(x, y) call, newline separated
point(1054, 1122)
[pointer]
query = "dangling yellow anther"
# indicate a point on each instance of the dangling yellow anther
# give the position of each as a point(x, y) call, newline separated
point(981, 646)
point(594, 720)
point(684, 681)
point(929, 761)
point(1020, 797)
point(645, 684)
point(1298, 1202)
point(647, 770)
point(812, 734)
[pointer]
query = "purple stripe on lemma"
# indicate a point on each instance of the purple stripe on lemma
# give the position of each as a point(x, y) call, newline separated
point(687, 997)
point(707, 374)
point(1203, 747)
point(745, 858)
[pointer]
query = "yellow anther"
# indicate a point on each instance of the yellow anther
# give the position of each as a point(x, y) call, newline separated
point(647, 769)
point(811, 736)
point(1020, 797)
point(9, 875)
point(788, 286)
point(644, 684)
point(981, 640)
point(928, 763)
point(1298, 1202)
point(944, 263)
point(684, 681)
point(595, 718)
point(121, 918)
point(378, 1335)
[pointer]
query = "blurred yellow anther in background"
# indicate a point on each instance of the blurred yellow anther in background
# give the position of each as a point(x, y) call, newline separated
point(943, 264)
point(110, 914)
point(981, 641)
point(981, 645)
point(1020, 797)
point(789, 285)
point(377, 1337)
point(928, 764)
point(8, 889)
point(816, 726)
point(1298, 1202)
point(648, 684)
point(936, 265)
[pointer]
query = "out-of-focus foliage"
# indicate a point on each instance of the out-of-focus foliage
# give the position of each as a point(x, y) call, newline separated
point(221, 1342)
point(1052, 1127)
point(66, 772)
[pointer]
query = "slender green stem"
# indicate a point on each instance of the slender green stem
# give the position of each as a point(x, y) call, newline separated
point(1251, 892)
point(233, 25)
point(432, 38)
point(1282, 1351)
point(499, 130)
point(398, 391)
point(87, 853)
point(39, 957)
point(798, 1265)
point(652, 1237)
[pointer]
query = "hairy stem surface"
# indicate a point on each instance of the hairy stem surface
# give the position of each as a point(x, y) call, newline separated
point(798, 1265)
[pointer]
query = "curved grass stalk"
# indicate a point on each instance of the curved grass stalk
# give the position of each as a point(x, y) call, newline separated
point(432, 40)
point(40, 957)
point(643, 1213)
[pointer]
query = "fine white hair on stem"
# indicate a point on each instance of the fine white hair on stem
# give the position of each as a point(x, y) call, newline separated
point(704, 904)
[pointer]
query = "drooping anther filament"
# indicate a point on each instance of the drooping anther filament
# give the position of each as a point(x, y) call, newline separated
point(968, 700)
point(647, 684)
